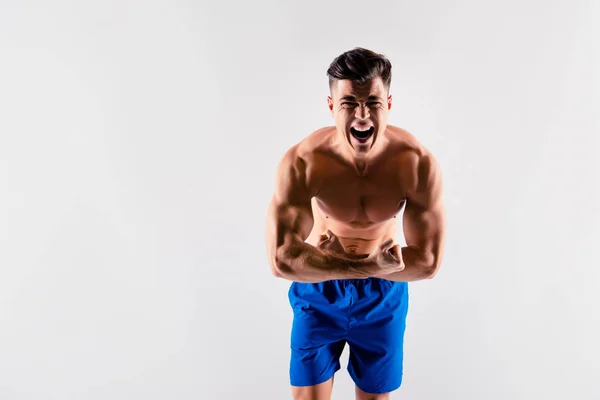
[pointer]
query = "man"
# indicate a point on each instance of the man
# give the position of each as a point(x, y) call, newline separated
point(331, 226)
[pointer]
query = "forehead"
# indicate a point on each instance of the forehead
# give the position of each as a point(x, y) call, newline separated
point(346, 87)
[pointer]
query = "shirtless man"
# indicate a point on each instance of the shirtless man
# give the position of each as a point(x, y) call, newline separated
point(331, 226)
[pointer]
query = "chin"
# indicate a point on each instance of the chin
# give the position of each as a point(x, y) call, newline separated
point(362, 147)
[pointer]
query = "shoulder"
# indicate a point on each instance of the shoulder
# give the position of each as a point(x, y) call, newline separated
point(409, 148)
point(316, 142)
point(300, 162)
point(417, 160)
point(405, 143)
point(314, 150)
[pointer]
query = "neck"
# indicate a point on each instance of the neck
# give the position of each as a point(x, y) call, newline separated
point(360, 160)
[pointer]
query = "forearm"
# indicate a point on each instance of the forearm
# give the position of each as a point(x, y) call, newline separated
point(302, 262)
point(417, 266)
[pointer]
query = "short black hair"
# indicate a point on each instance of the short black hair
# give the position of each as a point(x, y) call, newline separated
point(360, 65)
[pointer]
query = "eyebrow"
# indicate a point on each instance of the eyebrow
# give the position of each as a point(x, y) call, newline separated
point(371, 97)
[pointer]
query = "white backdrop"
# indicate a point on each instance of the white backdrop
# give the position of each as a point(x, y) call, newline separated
point(138, 146)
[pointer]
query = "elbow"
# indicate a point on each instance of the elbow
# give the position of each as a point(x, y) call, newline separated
point(276, 272)
point(281, 269)
point(276, 269)
point(284, 262)
point(431, 271)
point(279, 264)
point(431, 264)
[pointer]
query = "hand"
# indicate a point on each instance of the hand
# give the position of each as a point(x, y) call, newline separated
point(331, 244)
point(387, 258)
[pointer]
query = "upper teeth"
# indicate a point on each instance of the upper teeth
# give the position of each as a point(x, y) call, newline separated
point(363, 129)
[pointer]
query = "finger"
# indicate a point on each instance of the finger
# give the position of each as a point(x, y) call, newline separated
point(394, 252)
point(386, 245)
point(335, 240)
point(322, 241)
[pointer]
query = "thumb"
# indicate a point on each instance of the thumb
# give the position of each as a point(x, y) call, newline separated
point(334, 239)
point(385, 246)
point(331, 237)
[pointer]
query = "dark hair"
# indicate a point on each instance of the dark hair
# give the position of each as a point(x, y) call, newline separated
point(360, 65)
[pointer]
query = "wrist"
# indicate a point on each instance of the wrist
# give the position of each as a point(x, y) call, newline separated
point(348, 268)
point(371, 268)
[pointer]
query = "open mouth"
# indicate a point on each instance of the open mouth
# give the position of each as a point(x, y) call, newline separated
point(361, 135)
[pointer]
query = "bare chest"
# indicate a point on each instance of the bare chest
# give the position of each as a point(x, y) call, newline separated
point(361, 200)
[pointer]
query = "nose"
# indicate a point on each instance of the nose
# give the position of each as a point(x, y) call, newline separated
point(362, 112)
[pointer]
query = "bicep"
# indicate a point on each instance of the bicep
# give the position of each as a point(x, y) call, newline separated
point(289, 216)
point(285, 220)
point(424, 216)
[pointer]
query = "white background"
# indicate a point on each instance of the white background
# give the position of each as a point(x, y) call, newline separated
point(138, 145)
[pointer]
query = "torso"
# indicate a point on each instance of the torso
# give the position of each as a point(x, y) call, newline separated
point(360, 207)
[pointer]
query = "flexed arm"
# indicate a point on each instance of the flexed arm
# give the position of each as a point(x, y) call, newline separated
point(289, 222)
point(424, 225)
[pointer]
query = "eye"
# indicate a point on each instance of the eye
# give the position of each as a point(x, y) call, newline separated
point(348, 103)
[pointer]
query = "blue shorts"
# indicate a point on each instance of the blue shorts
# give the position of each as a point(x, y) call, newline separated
point(368, 314)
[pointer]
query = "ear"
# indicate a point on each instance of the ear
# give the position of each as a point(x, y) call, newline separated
point(330, 104)
point(389, 101)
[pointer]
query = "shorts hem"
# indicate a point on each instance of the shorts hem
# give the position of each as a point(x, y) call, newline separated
point(374, 390)
point(317, 381)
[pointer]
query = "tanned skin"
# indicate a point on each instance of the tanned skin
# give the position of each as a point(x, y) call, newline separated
point(334, 211)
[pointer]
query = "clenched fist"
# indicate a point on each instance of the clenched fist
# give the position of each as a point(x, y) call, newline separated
point(388, 258)
point(331, 243)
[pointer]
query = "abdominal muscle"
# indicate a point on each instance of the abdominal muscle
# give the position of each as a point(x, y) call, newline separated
point(358, 239)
